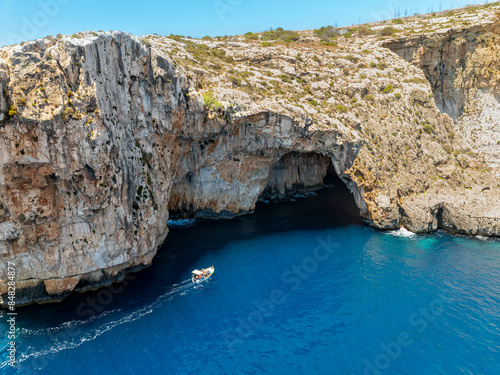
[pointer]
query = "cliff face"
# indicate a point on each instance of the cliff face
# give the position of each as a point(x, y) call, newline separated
point(104, 139)
point(103, 135)
point(69, 179)
point(462, 66)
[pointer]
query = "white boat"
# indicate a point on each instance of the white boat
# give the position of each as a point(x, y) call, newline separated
point(203, 275)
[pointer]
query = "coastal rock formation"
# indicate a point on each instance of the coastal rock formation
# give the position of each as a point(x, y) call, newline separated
point(103, 136)
point(462, 66)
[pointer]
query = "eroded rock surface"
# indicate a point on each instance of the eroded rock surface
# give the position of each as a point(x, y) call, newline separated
point(102, 135)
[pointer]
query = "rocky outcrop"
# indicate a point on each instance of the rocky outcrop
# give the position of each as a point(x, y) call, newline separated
point(462, 65)
point(104, 136)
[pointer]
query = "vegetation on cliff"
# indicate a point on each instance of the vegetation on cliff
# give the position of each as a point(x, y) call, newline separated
point(104, 133)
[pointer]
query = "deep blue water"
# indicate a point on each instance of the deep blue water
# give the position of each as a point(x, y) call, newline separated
point(299, 288)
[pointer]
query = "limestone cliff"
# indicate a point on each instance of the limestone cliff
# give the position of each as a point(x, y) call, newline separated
point(463, 67)
point(102, 135)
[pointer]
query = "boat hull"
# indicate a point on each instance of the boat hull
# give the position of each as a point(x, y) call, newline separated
point(205, 278)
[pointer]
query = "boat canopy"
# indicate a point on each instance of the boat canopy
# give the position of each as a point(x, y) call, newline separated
point(196, 272)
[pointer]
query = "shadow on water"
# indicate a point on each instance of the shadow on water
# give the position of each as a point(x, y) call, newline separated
point(333, 206)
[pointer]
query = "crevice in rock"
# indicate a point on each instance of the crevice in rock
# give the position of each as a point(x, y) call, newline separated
point(439, 216)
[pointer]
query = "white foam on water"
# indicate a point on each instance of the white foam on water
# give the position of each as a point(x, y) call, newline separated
point(487, 239)
point(72, 324)
point(402, 232)
point(57, 345)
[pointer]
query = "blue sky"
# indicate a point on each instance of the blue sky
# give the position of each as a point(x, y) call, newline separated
point(30, 19)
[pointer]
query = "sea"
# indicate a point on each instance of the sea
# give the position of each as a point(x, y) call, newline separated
point(301, 286)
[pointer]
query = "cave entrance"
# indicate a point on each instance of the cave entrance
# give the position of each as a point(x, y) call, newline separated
point(298, 174)
point(295, 174)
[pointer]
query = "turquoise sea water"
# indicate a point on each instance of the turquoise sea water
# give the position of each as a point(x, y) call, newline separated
point(299, 287)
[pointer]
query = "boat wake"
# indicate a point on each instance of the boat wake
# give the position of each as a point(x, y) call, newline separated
point(68, 336)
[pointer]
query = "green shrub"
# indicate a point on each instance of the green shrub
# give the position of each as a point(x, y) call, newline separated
point(351, 58)
point(235, 80)
point(218, 52)
point(251, 36)
point(285, 78)
point(70, 113)
point(388, 89)
point(210, 101)
point(326, 34)
point(333, 44)
point(341, 108)
point(428, 128)
point(281, 34)
point(207, 37)
point(397, 95)
point(307, 90)
point(387, 31)
point(397, 21)
point(363, 31)
point(12, 110)
point(411, 80)
point(448, 149)
point(369, 97)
